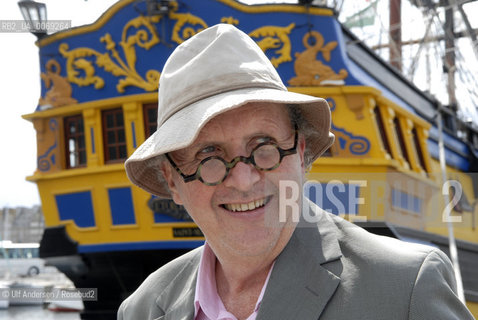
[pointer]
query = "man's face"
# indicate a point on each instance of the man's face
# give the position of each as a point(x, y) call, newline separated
point(254, 231)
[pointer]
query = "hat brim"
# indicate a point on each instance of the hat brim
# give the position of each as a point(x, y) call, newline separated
point(182, 128)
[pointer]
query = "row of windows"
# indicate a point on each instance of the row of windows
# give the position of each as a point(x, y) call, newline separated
point(397, 132)
point(114, 137)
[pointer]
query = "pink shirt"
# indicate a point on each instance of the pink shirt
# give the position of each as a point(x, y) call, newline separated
point(207, 303)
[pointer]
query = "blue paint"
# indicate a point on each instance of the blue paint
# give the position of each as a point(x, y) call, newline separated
point(77, 207)
point(452, 159)
point(211, 13)
point(332, 104)
point(121, 206)
point(342, 143)
point(154, 57)
point(162, 218)
point(133, 130)
point(92, 133)
point(358, 145)
point(337, 198)
point(127, 246)
point(406, 201)
point(450, 142)
point(45, 160)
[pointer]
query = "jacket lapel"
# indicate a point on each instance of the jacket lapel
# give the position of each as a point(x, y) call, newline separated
point(183, 309)
point(306, 273)
point(177, 299)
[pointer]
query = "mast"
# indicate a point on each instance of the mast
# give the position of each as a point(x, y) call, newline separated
point(395, 34)
point(449, 63)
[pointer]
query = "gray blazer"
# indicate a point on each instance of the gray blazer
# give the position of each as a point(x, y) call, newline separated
point(329, 270)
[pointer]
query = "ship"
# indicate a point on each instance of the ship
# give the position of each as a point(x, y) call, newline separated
point(402, 165)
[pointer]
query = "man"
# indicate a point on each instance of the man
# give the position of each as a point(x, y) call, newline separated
point(229, 134)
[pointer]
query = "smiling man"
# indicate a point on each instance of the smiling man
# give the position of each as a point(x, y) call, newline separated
point(228, 134)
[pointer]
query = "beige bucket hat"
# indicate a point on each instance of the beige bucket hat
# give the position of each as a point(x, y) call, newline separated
point(217, 70)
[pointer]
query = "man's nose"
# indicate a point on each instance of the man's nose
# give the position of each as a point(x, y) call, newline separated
point(242, 177)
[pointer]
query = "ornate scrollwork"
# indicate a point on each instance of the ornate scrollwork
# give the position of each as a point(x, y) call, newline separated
point(81, 62)
point(114, 64)
point(230, 20)
point(348, 144)
point(190, 24)
point(47, 159)
point(309, 70)
point(275, 38)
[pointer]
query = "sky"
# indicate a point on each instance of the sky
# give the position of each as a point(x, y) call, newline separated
point(20, 90)
point(19, 94)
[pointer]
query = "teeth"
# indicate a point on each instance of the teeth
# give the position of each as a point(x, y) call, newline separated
point(245, 206)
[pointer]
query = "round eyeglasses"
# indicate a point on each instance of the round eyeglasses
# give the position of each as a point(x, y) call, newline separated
point(213, 170)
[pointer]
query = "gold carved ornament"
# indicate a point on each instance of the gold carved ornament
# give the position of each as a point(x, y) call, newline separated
point(60, 89)
point(269, 38)
point(112, 62)
point(275, 38)
point(183, 19)
point(82, 71)
point(312, 72)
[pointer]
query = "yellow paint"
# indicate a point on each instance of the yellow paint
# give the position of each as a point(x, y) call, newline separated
point(463, 230)
point(273, 37)
point(230, 20)
point(277, 8)
point(130, 114)
point(97, 177)
point(75, 61)
point(353, 111)
point(184, 19)
point(49, 144)
point(97, 104)
point(231, 3)
point(473, 307)
point(59, 93)
point(91, 122)
point(97, 181)
point(112, 61)
point(355, 102)
point(140, 32)
point(312, 72)
point(379, 177)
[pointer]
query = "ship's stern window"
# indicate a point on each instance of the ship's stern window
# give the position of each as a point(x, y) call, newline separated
point(381, 129)
point(420, 156)
point(75, 142)
point(114, 136)
point(150, 115)
point(401, 140)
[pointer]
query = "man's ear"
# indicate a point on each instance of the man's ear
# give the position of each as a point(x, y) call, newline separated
point(167, 172)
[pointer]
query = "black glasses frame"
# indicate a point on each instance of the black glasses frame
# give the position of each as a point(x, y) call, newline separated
point(231, 164)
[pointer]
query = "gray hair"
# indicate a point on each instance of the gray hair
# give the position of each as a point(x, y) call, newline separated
point(305, 128)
